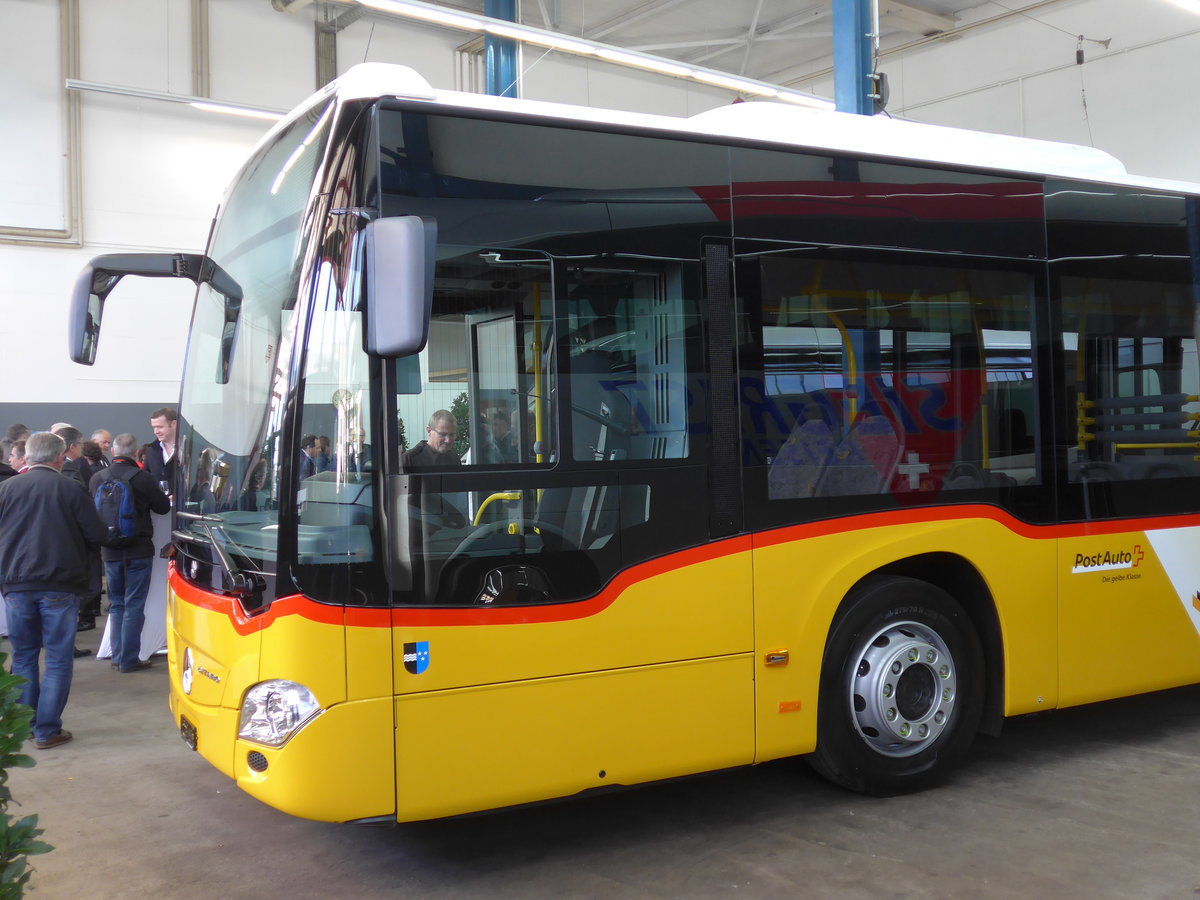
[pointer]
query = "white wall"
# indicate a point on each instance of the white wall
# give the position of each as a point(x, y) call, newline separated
point(152, 172)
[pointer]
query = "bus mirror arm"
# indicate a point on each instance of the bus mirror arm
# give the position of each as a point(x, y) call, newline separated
point(100, 276)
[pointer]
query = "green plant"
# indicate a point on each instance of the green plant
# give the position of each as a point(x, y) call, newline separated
point(462, 415)
point(18, 837)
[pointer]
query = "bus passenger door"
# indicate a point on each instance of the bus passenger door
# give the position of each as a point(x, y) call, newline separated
point(581, 628)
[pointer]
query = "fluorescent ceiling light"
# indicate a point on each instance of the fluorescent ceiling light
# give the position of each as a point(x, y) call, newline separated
point(237, 111)
point(1192, 6)
point(734, 83)
point(558, 42)
point(804, 100)
point(204, 103)
point(427, 13)
point(506, 31)
point(625, 58)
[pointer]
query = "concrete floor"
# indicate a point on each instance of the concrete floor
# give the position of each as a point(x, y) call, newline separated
point(1096, 802)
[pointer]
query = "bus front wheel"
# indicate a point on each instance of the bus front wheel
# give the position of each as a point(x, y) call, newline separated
point(901, 688)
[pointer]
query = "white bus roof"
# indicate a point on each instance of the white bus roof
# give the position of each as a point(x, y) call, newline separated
point(785, 124)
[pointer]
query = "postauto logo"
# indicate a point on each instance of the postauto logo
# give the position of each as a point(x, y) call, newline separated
point(1108, 560)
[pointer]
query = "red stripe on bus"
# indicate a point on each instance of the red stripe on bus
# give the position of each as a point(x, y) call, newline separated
point(360, 617)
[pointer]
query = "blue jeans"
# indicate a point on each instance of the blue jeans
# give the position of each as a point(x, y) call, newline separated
point(128, 584)
point(43, 620)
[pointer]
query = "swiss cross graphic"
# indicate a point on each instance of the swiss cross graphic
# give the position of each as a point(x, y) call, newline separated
point(914, 469)
point(1138, 554)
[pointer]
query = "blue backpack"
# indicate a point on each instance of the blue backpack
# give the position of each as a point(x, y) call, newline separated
point(116, 508)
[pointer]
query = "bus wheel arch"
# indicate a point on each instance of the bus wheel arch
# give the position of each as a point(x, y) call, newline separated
point(962, 581)
point(902, 686)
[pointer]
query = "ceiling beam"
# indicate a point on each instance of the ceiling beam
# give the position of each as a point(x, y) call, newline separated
point(771, 31)
point(750, 37)
point(906, 17)
point(648, 9)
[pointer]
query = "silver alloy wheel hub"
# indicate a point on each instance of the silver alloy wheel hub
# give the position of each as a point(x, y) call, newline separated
point(903, 689)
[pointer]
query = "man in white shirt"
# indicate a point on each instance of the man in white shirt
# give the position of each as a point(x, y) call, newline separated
point(160, 457)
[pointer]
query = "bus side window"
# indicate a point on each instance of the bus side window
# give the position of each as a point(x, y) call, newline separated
point(632, 363)
point(886, 374)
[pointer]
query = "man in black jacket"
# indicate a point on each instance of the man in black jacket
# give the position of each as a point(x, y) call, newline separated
point(161, 458)
point(47, 526)
point(71, 466)
point(129, 561)
point(75, 466)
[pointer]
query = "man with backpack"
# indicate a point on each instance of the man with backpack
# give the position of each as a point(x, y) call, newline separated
point(125, 495)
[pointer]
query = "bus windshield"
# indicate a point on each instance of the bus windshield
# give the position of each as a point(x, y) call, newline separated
point(231, 404)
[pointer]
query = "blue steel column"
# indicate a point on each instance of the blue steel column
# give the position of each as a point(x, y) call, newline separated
point(501, 53)
point(852, 85)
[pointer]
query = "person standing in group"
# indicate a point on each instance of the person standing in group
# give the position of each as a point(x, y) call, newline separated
point(7, 469)
point(16, 456)
point(17, 432)
point(75, 467)
point(95, 453)
point(128, 560)
point(308, 455)
point(71, 466)
point(47, 527)
point(90, 463)
point(161, 456)
point(104, 441)
point(92, 460)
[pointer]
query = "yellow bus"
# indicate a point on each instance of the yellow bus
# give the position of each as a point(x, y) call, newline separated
point(767, 433)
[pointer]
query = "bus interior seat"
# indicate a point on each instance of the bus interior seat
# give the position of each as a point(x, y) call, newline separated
point(596, 399)
point(1094, 471)
point(865, 460)
point(797, 468)
point(587, 517)
point(1013, 435)
point(965, 476)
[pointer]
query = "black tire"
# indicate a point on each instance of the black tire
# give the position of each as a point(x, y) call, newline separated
point(901, 688)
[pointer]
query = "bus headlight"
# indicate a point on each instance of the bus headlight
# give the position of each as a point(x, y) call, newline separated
point(273, 711)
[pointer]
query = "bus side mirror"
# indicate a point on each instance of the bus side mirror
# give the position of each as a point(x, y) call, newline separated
point(400, 258)
point(102, 274)
point(92, 288)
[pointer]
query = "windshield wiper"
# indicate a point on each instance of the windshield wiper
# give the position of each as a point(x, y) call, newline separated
point(241, 584)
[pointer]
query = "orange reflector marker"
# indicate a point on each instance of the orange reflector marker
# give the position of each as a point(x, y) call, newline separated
point(789, 706)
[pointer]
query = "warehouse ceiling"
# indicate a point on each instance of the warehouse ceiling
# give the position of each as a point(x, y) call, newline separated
point(777, 41)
